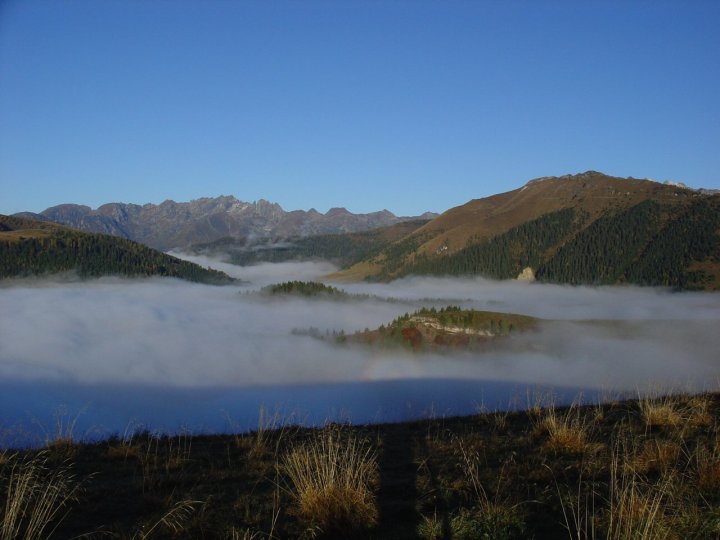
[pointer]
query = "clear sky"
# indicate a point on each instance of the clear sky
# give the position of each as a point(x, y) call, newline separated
point(404, 105)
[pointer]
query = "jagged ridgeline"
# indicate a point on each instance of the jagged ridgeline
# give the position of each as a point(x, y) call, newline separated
point(31, 248)
point(441, 329)
point(647, 244)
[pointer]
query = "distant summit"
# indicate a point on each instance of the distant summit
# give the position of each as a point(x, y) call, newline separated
point(177, 225)
point(590, 175)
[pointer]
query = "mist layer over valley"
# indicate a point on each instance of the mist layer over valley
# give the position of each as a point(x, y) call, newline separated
point(163, 354)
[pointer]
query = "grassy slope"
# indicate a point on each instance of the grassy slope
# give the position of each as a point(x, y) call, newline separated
point(591, 194)
point(38, 248)
point(508, 475)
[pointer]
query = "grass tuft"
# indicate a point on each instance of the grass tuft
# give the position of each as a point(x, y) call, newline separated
point(661, 411)
point(494, 517)
point(333, 478)
point(36, 496)
point(567, 431)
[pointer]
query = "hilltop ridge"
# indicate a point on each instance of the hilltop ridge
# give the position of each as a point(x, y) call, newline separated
point(586, 228)
point(41, 248)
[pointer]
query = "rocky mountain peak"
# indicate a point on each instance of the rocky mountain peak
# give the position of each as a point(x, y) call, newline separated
point(177, 224)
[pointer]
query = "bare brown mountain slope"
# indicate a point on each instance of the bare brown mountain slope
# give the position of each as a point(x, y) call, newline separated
point(592, 192)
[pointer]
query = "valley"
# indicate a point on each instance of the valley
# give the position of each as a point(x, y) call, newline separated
point(514, 349)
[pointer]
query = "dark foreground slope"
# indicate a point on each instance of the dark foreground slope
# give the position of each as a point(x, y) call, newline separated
point(32, 248)
point(635, 469)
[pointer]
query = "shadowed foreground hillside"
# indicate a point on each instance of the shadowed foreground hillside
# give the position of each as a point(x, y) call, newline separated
point(647, 469)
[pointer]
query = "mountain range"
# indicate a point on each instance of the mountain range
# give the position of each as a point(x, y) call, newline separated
point(177, 225)
point(587, 228)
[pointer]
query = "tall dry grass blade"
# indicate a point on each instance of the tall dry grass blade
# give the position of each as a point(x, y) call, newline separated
point(173, 520)
point(35, 497)
point(636, 506)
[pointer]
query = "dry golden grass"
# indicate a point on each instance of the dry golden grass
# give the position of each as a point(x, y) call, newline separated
point(123, 452)
point(497, 517)
point(36, 497)
point(634, 508)
point(173, 520)
point(698, 411)
point(707, 469)
point(567, 431)
point(333, 477)
point(655, 456)
point(664, 411)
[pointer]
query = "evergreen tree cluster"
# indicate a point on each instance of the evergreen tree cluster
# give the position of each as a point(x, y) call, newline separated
point(498, 323)
point(647, 244)
point(303, 288)
point(650, 243)
point(503, 256)
point(602, 252)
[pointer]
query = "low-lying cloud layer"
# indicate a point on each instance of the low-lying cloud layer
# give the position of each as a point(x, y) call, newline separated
point(172, 334)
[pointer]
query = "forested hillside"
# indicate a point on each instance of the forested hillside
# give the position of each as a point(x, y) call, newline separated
point(343, 249)
point(30, 248)
point(586, 229)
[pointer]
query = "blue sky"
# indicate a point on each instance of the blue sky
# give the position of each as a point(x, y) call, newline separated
point(409, 106)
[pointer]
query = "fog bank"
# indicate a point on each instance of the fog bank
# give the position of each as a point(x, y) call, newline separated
point(229, 341)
